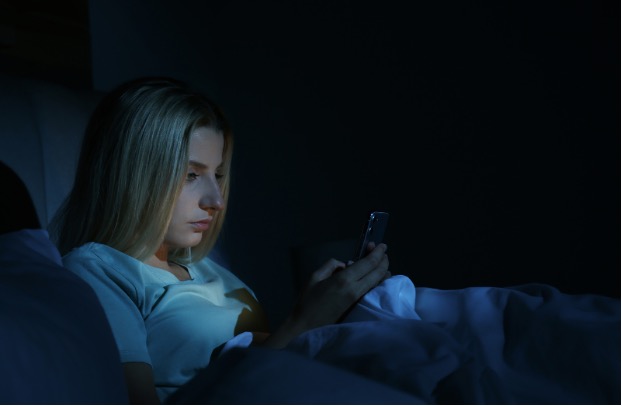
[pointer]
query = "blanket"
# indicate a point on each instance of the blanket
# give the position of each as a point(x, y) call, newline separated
point(528, 344)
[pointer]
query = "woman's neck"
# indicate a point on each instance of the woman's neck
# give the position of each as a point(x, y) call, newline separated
point(160, 260)
point(162, 254)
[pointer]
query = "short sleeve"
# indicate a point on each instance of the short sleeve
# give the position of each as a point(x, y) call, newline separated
point(120, 300)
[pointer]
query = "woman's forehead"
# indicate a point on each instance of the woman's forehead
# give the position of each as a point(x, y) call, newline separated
point(205, 148)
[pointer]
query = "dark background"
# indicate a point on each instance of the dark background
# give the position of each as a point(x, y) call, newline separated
point(490, 130)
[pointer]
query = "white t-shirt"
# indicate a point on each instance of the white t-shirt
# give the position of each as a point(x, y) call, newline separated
point(170, 324)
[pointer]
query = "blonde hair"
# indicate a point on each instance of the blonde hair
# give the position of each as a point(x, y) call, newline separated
point(132, 166)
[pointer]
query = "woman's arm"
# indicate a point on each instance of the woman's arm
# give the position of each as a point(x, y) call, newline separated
point(332, 291)
point(140, 383)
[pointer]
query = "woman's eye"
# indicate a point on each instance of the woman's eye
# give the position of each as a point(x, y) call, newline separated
point(219, 176)
point(191, 176)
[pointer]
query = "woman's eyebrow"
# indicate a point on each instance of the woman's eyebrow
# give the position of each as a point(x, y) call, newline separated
point(197, 164)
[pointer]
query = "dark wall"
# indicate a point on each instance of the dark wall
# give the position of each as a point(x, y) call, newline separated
point(48, 40)
point(489, 130)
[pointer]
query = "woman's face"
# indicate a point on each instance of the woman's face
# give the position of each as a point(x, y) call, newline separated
point(200, 196)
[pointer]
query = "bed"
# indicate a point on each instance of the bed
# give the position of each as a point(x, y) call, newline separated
point(402, 344)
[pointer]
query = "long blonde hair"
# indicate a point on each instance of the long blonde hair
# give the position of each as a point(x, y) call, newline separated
point(132, 166)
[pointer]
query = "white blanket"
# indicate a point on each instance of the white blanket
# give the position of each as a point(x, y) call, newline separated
point(527, 344)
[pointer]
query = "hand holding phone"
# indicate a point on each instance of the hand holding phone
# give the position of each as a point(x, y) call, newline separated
point(373, 232)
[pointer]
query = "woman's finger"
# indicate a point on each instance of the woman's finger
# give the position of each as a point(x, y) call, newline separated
point(367, 264)
point(373, 278)
point(326, 270)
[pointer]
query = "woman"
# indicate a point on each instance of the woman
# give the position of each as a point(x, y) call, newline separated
point(148, 202)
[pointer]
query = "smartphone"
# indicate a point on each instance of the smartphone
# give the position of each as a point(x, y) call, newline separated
point(373, 232)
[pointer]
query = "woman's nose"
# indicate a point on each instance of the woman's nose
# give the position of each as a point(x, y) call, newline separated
point(212, 197)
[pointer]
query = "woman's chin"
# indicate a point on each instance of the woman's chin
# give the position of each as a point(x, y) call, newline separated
point(194, 243)
point(191, 242)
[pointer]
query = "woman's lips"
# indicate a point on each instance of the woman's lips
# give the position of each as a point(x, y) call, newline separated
point(200, 226)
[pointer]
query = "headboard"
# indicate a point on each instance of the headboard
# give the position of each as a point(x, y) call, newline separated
point(41, 129)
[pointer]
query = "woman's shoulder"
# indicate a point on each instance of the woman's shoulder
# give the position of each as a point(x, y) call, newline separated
point(104, 266)
point(96, 257)
point(93, 251)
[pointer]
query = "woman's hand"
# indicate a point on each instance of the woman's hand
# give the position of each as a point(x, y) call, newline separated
point(332, 290)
